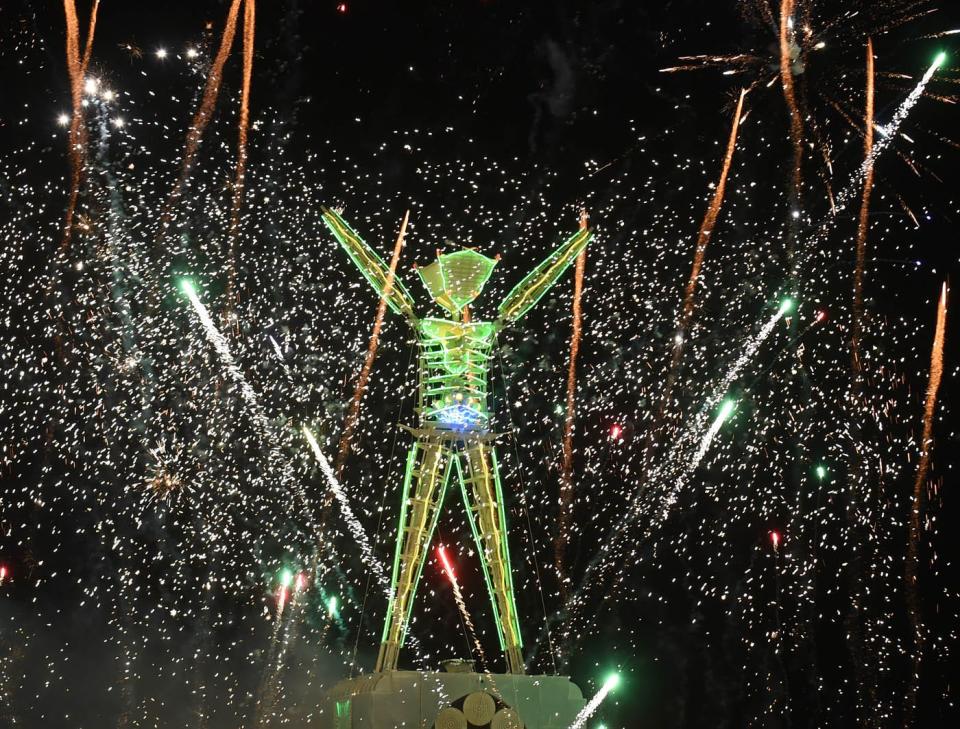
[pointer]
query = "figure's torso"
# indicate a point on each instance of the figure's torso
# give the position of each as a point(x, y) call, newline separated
point(454, 373)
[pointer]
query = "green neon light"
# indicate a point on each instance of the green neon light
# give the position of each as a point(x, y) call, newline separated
point(456, 279)
point(342, 711)
point(513, 617)
point(407, 480)
point(481, 548)
point(531, 289)
point(371, 265)
point(453, 409)
point(429, 537)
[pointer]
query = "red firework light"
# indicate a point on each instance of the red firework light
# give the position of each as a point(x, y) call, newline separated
point(448, 568)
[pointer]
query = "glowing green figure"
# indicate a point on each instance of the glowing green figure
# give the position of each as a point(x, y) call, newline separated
point(453, 433)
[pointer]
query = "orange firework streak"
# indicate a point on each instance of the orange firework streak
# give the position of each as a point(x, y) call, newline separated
point(706, 227)
point(249, 11)
point(789, 95)
point(361, 387)
point(913, 542)
point(77, 69)
point(566, 470)
point(204, 113)
point(863, 225)
point(88, 49)
point(862, 659)
point(690, 292)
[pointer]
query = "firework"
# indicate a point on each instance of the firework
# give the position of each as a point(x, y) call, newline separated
point(249, 16)
point(613, 680)
point(566, 467)
point(913, 544)
point(364, 377)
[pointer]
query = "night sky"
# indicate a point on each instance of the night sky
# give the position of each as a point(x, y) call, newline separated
point(738, 572)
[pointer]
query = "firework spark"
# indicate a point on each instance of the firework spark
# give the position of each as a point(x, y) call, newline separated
point(361, 387)
point(916, 504)
point(864, 219)
point(208, 102)
point(566, 467)
point(598, 698)
point(249, 10)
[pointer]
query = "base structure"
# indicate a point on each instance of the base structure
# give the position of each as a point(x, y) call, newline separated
point(456, 699)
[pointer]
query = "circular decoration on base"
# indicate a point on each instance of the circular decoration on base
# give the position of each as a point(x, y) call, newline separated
point(450, 718)
point(506, 718)
point(479, 708)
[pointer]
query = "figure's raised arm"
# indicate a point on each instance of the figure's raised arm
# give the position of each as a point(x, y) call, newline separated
point(371, 265)
point(528, 292)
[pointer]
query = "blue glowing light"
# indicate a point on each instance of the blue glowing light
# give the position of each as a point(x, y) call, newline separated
point(459, 417)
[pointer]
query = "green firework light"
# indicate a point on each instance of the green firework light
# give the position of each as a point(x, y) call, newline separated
point(821, 472)
point(453, 431)
point(726, 410)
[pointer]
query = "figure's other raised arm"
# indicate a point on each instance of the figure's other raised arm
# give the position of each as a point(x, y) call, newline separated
point(528, 292)
point(373, 268)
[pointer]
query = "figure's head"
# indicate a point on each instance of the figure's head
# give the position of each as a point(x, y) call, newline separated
point(456, 279)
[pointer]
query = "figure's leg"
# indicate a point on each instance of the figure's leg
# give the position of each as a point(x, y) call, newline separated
point(424, 483)
point(483, 497)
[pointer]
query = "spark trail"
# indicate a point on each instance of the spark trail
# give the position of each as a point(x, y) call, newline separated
point(249, 17)
point(864, 219)
point(725, 412)
point(916, 504)
point(364, 378)
point(888, 133)
point(590, 709)
point(789, 95)
point(604, 565)
point(690, 292)
point(259, 417)
point(270, 686)
point(356, 528)
point(786, 306)
point(566, 469)
point(862, 661)
point(700, 422)
point(462, 606)
point(706, 229)
point(76, 69)
point(220, 344)
point(204, 113)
